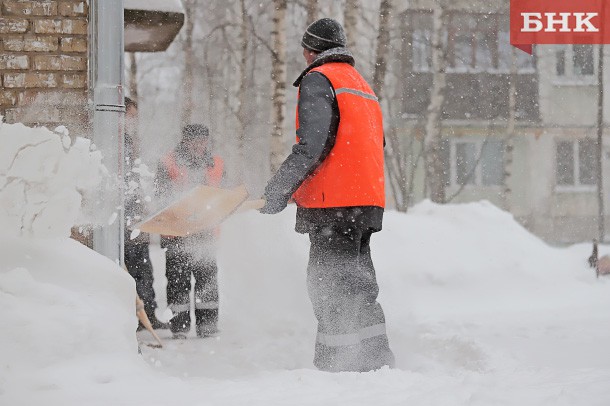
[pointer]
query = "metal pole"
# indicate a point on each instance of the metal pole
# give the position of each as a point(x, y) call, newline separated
point(600, 145)
point(107, 78)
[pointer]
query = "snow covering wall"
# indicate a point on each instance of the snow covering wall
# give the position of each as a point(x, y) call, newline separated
point(43, 175)
point(68, 313)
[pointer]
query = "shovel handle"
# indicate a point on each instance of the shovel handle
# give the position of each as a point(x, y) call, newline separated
point(251, 205)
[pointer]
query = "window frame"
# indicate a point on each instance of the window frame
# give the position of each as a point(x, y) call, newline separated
point(478, 142)
point(492, 29)
point(577, 186)
point(569, 77)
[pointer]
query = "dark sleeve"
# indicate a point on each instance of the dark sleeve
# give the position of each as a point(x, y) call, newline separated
point(161, 181)
point(318, 123)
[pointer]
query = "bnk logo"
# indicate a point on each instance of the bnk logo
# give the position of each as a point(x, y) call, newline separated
point(562, 22)
point(559, 22)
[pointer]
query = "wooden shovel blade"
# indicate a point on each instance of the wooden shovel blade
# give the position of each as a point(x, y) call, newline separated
point(202, 209)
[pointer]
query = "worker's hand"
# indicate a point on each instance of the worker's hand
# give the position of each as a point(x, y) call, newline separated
point(273, 206)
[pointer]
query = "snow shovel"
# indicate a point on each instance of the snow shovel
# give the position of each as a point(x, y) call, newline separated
point(143, 318)
point(201, 209)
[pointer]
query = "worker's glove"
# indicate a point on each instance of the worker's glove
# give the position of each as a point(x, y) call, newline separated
point(276, 196)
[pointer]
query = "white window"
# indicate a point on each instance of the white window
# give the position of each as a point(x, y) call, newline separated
point(422, 52)
point(575, 63)
point(476, 162)
point(575, 167)
point(525, 62)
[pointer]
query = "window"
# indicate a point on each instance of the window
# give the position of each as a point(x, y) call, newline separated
point(525, 62)
point(474, 43)
point(476, 163)
point(422, 53)
point(575, 163)
point(465, 161)
point(582, 57)
point(575, 61)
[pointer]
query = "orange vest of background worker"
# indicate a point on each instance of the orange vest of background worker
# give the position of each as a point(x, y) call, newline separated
point(189, 165)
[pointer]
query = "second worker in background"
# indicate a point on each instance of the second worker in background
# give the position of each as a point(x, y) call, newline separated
point(189, 165)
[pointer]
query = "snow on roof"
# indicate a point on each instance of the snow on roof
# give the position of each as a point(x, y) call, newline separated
point(171, 6)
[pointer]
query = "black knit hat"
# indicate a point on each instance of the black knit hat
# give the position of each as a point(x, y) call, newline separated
point(194, 131)
point(323, 34)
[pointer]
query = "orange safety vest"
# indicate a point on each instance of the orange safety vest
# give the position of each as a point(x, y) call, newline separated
point(178, 174)
point(353, 172)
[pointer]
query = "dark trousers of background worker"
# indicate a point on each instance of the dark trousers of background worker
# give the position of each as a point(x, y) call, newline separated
point(343, 290)
point(179, 266)
point(137, 261)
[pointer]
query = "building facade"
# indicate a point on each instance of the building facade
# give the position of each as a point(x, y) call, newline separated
point(549, 183)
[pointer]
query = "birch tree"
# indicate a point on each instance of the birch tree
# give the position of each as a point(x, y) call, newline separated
point(244, 38)
point(187, 79)
point(278, 77)
point(432, 140)
point(313, 9)
point(383, 45)
point(509, 138)
point(350, 22)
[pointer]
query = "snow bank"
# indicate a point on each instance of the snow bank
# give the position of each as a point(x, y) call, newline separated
point(68, 314)
point(42, 178)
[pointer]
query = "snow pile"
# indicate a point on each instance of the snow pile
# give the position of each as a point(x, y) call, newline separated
point(68, 318)
point(42, 178)
point(68, 314)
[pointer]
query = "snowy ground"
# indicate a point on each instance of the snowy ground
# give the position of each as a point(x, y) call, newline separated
point(479, 312)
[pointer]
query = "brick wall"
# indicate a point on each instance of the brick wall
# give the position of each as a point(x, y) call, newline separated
point(43, 62)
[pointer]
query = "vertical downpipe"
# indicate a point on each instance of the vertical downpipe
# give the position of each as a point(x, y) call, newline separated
point(106, 50)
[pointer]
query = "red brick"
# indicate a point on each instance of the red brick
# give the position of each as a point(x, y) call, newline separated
point(47, 26)
point(72, 9)
point(60, 27)
point(30, 8)
point(74, 80)
point(73, 44)
point(53, 97)
point(75, 27)
point(8, 98)
point(9, 61)
point(31, 44)
point(13, 25)
point(30, 80)
point(59, 62)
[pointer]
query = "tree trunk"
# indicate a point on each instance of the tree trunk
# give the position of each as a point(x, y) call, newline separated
point(187, 79)
point(350, 22)
point(432, 142)
point(278, 77)
point(510, 131)
point(383, 45)
point(242, 96)
point(312, 11)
